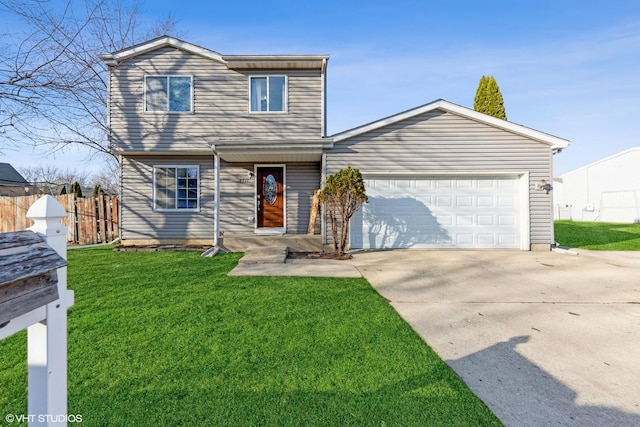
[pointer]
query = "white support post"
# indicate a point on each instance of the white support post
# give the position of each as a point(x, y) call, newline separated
point(216, 219)
point(47, 343)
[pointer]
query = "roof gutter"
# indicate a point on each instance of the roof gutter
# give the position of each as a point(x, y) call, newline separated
point(323, 74)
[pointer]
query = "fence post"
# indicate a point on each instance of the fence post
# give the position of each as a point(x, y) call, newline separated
point(47, 343)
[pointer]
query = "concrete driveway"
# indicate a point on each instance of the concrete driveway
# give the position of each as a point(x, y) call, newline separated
point(542, 338)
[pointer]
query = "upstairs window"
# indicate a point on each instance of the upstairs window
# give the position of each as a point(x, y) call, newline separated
point(268, 93)
point(170, 94)
point(176, 187)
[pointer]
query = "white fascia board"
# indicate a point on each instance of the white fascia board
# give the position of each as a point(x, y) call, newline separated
point(286, 148)
point(197, 152)
point(276, 58)
point(554, 141)
point(115, 58)
point(276, 62)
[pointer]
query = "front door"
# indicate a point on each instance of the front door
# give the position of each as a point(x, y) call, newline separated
point(270, 203)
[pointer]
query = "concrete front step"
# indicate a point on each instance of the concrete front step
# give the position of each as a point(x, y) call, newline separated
point(265, 255)
point(295, 242)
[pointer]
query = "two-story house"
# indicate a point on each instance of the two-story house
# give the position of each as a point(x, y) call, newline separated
point(234, 145)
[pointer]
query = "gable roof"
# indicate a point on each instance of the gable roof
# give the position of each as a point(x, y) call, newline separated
point(273, 62)
point(603, 160)
point(556, 143)
point(10, 177)
point(158, 43)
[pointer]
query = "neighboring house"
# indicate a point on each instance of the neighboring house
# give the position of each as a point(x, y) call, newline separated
point(606, 191)
point(11, 182)
point(235, 145)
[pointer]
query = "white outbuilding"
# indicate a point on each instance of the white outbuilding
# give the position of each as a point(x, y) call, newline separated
point(604, 191)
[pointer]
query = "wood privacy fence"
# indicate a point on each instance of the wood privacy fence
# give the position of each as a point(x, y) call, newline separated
point(89, 220)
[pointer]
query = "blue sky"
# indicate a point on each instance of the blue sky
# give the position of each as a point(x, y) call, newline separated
point(568, 68)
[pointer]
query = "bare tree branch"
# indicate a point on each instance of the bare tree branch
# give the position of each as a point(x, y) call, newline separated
point(53, 86)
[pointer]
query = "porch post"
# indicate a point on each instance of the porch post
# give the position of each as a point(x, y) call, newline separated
point(216, 172)
point(323, 214)
point(47, 342)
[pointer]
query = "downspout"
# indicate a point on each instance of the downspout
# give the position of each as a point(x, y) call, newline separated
point(323, 80)
point(216, 247)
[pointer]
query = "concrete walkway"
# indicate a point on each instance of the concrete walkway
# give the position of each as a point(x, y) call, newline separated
point(541, 337)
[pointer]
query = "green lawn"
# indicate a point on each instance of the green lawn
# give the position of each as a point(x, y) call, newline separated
point(598, 235)
point(167, 339)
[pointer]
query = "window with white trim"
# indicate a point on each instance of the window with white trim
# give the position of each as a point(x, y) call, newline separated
point(268, 93)
point(176, 187)
point(171, 94)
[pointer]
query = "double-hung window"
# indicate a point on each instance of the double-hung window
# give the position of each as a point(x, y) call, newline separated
point(176, 187)
point(172, 94)
point(268, 93)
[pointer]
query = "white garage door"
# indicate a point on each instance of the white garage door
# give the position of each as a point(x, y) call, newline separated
point(438, 212)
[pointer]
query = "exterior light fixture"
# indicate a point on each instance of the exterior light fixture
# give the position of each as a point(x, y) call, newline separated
point(545, 186)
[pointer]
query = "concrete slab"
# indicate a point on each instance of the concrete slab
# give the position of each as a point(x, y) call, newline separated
point(299, 267)
point(265, 255)
point(542, 338)
point(295, 242)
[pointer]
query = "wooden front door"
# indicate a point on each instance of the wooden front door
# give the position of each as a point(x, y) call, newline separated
point(270, 195)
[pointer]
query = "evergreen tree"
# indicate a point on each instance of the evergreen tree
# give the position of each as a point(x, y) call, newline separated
point(64, 190)
point(97, 190)
point(76, 189)
point(488, 98)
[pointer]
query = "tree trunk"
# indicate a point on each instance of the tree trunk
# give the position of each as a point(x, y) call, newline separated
point(344, 230)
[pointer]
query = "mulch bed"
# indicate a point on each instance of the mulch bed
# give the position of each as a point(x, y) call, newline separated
point(317, 255)
point(162, 248)
point(197, 248)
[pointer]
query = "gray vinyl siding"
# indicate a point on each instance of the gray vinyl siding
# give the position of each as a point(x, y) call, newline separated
point(237, 198)
point(302, 179)
point(138, 218)
point(220, 105)
point(443, 143)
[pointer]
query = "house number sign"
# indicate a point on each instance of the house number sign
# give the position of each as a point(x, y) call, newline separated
point(270, 189)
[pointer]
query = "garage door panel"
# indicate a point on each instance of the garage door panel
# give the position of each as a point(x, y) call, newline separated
point(432, 212)
point(485, 201)
point(487, 240)
point(464, 201)
point(425, 200)
point(506, 201)
point(464, 239)
point(464, 219)
point(505, 183)
point(506, 239)
point(444, 201)
point(485, 220)
point(423, 184)
point(506, 220)
point(403, 184)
